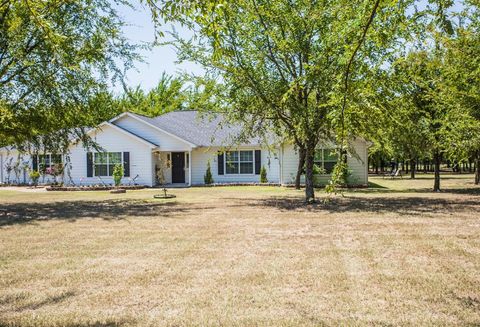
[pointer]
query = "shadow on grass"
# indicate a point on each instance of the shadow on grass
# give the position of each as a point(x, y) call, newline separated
point(114, 210)
point(351, 204)
point(24, 213)
point(48, 301)
point(376, 188)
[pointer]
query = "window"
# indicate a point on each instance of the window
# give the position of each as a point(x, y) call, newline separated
point(325, 160)
point(104, 162)
point(187, 160)
point(47, 161)
point(239, 162)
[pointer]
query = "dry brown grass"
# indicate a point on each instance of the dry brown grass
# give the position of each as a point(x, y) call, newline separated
point(397, 255)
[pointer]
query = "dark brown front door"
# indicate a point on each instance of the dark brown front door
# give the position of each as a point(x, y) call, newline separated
point(178, 164)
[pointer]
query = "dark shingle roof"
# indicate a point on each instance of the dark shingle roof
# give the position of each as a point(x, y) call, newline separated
point(198, 129)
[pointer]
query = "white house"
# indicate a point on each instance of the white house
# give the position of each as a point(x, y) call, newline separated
point(187, 142)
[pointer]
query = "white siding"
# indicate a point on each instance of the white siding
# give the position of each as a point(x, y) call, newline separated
point(112, 140)
point(201, 156)
point(11, 158)
point(163, 140)
point(358, 167)
point(289, 162)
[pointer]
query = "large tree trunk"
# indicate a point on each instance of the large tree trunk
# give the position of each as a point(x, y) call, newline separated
point(477, 169)
point(413, 164)
point(309, 189)
point(301, 165)
point(436, 184)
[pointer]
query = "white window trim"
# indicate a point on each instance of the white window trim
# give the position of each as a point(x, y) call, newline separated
point(239, 174)
point(108, 164)
point(49, 160)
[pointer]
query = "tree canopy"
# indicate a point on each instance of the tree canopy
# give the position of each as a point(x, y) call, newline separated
point(55, 57)
point(283, 64)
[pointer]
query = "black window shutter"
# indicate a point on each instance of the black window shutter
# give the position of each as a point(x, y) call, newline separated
point(126, 164)
point(89, 164)
point(258, 161)
point(34, 163)
point(220, 163)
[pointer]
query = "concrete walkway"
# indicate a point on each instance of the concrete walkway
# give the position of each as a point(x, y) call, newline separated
point(27, 189)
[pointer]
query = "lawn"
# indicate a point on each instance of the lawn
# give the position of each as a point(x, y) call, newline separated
point(394, 254)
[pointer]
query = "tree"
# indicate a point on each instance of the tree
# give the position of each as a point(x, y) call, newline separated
point(461, 89)
point(409, 132)
point(282, 64)
point(118, 173)
point(170, 94)
point(421, 117)
point(34, 176)
point(263, 175)
point(55, 56)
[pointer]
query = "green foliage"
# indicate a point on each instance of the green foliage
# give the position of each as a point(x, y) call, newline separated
point(170, 94)
point(339, 177)
point(55, 57)
point(263, 175)
point(317, 170)
point(460, 91)
point(208, 178)
point(117, 174)
point(282, 62)
point(34, 176)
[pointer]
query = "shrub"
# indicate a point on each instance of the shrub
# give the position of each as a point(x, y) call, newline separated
point(117, 174)
point(208, 178)
point(34, 176)
point(263, 175)
point(339, 177)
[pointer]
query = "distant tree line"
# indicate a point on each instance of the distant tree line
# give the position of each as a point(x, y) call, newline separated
point(402, 74)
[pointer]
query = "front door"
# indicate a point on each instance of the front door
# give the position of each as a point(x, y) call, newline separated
point(178, 164)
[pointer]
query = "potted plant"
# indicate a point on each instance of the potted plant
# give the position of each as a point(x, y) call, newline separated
point(34, 176)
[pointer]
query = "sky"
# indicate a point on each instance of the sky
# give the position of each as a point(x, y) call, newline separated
point(160, 59)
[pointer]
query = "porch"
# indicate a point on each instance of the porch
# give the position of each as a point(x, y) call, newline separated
point(172, 168)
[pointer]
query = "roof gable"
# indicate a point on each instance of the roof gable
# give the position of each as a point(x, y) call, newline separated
point(148, 121)
point(123, 131)
point(194, 128)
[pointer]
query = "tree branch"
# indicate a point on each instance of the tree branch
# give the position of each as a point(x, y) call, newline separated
point(350, 62)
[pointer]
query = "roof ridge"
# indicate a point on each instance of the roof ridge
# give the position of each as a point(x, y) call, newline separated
point(137, 114)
